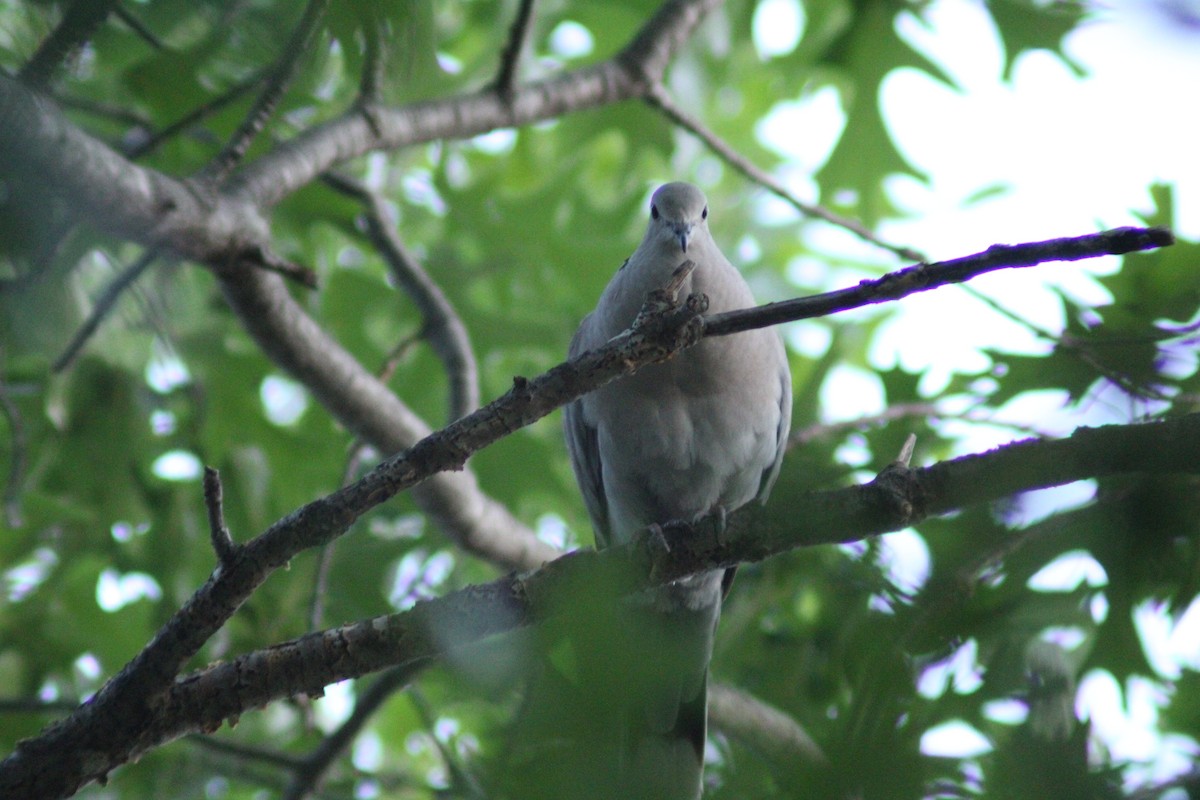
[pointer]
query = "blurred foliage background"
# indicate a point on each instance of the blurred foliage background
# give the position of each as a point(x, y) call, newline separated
point(105, 535)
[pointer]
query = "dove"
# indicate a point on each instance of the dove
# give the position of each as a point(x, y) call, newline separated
point(701, 433)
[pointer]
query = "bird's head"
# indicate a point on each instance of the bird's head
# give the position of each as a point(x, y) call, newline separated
point(678, 211)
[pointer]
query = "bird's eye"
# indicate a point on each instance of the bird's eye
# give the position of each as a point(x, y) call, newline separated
point(653, 212)
point(704, 213)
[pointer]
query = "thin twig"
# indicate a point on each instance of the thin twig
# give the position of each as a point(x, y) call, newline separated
point(99, 108)
point(510, 57)
point(244, 751)
point(103, 306)
point(659, 98)
point(78, 24)
point(277, 84)
point(443, 328)
point(36, 705)
point(370, 83)
point(1085, 349)
point(222, 542)
point(358, 452)
point(193, 117)
point(461, 782)
point(308, 774)
point(138, 27)
point(923, 277)
point(806, 435)
point(762, 727)
point(19, 442)
point(265, 258)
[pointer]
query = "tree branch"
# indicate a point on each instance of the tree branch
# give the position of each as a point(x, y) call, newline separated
point(227, 230)
point(193, 117)
point(307, 775)
point(222, 543)
point(510, 57)
point(443, 328)
point(446, 627)
point(135, 25)
point(102, 308)
point(923, 277)
point(81, 20)
point(295, 163)
point(762, 727)
point(277, 83)
point(18, 440)
point(659, 333)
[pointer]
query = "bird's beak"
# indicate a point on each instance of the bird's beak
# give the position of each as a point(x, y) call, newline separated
point(683, 233)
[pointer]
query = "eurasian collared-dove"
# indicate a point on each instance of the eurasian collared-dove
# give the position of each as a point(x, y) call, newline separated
point(703, 431)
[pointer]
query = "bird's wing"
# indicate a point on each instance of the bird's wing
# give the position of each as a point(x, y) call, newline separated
point(584, 446)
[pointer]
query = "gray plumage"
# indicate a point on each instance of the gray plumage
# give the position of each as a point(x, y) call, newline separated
point(677, 440)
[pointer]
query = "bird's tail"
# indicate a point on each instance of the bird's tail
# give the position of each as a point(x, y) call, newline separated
point(618, 705)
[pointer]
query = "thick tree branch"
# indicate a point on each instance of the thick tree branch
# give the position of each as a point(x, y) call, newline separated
point(629, 75)
point(372, 412)
point(41, 148)
point(227, 229)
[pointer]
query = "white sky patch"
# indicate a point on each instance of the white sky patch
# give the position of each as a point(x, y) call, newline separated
point(405, 526)
point(497, 142)
point(335, 706)
point(115, 590)
point(1069, 162)
point(776, 27)
point(176, 465)
point(417, 575)
point(954, 739)
point(367, 789)
point(1032, 507)
point(1172, 643)
point(1127, 720)
point(165, 372)
point(162, 423)
point(446, 728)
point(851, 393)
point(21, 579)
point(1067, 572)
point(449, 63)
point(808, 338)
point(1068, 637)
point(960, 670)
point(1008, 711)
point(904, 558)
point(88, 667)
point(368, 751)
point(552, 529)
point(569, 39)
point(805, 131)
point(284, 400)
